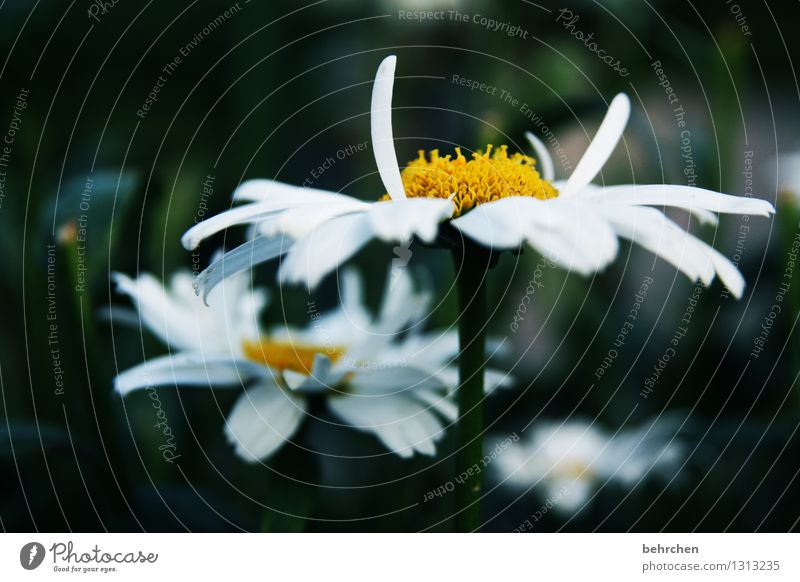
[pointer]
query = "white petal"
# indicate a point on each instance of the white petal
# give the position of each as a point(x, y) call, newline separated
point(602, 146)
point(402, 424)
point(728, 274)
point(399, 221)
point(652, 230)
point(324, 249)
point(299, 221)
point(262, 420)
point(393, 380)
point(351, 291)
point(495, 225)
point(649, 228)
point(542, 156)
point(492, 379)
point(704, 217)
point(441, 403)
point(381, 126)
point(243, 258)
point(246, 214)
point(403, 305)
point(187, 369)
point(281, 197)
point(570, 232)
point(687, 197)
point(172, 316)
point(260, 190)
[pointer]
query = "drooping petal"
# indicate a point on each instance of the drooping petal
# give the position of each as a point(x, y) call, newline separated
point(403, 424)
point(324, 249)
point(244, 257)
point(400, 220)
point(687, 197)
point(602, 146)
point(728, 274)
point(187, 369)
point(542, 156)
point(262, 420)
point(381, 129)
point(652, 230)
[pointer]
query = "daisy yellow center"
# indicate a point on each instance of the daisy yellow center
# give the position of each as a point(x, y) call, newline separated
point(282, 356)
point(488, 175)
point(575, 470)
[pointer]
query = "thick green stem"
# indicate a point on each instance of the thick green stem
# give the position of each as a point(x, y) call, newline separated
point(471, 277)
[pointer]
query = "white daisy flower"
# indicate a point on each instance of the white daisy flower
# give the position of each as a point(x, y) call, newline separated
point(569, 461)
point(395, 389)
point(496, 199)
point(789, 174)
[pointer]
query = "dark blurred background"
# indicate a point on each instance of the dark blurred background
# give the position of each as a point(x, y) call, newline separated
point(273, 88)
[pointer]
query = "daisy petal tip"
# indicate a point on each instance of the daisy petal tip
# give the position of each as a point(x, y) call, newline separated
point(621, 100)
point(189, 241)
point(387, 66)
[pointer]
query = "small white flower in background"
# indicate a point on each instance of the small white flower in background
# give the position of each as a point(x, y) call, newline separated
point(397, 389)
point(789, 174)
point(567, 462)
point(497, 199)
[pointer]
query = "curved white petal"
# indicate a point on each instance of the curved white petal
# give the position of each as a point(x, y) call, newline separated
point(187, 369)
point(399, 220)
point(263, 210)
point(324, 249)
point(602, 146)
point(381, 129)
point(261, 190)
point(249, 213)
point(262, 420)
point(728, 274)
point(236, 261)
point(652, 230)
point(687, 197)
point(542, 156)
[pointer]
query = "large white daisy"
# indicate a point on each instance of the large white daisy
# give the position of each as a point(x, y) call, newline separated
point(397, 389)
point(495, 198)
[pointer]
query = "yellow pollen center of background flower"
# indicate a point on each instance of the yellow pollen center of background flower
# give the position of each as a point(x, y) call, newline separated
point(488, 176)
point(576, 470)
point(286, 355)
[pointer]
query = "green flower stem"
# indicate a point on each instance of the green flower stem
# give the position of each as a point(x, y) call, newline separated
point(471, 279)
